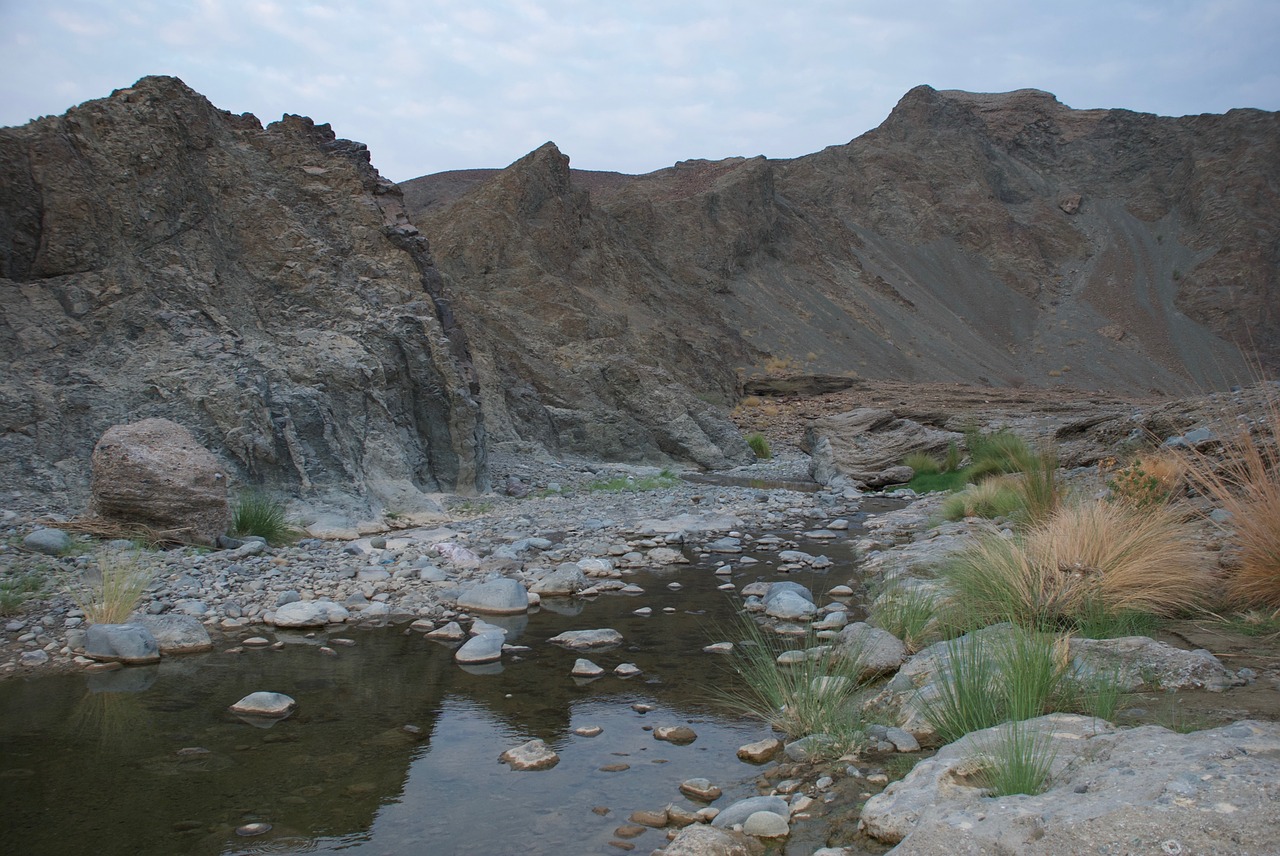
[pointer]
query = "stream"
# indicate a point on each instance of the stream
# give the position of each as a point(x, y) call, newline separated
point(393, 748)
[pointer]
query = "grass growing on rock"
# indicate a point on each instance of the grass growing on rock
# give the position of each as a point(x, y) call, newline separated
point(1017, 760)
point(908, 612)
point(256, 513)
point(759, 445)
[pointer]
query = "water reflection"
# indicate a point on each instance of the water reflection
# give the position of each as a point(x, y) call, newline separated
point(393, 746)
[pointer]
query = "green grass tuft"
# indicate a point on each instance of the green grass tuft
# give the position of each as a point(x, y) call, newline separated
point(759, 445)
point(17, 588)
point(664, 479)
point(1017, 761)
point(112, 598)
point(908, 613)
point(923, 464)
point(258, 514)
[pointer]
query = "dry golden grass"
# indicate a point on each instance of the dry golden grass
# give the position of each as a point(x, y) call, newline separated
point(1247, 485)
point(112, 598)
point(1084, 558)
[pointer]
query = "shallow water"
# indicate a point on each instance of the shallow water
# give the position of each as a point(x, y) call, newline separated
point(96, 763)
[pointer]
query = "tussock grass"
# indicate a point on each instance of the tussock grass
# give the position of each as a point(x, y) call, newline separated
point(258, 514)
point(1247, 486)
point(817, 695)
point(1086, 559)
point(759, 445)
point(908, 613)
point(994, 497)
point(923, 463)
point(1041, 494)
point(112, 598)
point(1017, 761)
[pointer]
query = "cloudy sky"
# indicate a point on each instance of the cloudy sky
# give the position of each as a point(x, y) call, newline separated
point(631, 85)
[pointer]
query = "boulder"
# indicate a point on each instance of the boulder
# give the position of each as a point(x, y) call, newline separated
point(866, 446)
point(1209, 791)
point(50, 542)
point(588, 640)
point(123, 643)
point(155, 473)
point(567, 579)
point(484, 648)
point(498, 597)
point(265, 704)
point(310, 613)
point(880, 652)
point(534, 755)
point(177, 634)
point(743, 809)
point(701, 840)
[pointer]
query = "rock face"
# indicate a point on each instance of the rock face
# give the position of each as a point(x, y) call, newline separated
point(868, 444)
point(156, 473)
point(1207, 792)
point(261, 287)
point(1000, 239)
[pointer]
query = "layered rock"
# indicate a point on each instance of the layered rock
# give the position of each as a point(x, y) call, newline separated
point(260, 286)
point(1004, 240)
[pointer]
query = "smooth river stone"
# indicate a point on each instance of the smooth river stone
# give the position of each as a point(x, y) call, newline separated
point(534, 755)
point(266, 704)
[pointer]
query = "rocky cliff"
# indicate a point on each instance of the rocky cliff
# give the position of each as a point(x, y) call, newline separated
point(994, 239)
point(261, 286)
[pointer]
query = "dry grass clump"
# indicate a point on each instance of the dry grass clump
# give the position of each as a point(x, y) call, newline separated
point(112, 598)
point(1247, 486)
point(1084, 558)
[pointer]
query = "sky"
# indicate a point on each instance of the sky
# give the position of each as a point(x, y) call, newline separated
point(433, 85)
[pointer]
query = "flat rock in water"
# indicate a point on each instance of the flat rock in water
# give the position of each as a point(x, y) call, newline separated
point(500, 597)
point(1209, 791)
point(485, 648)
point(586, 669)
point(123, 643)
point(678, 734)
point(534, 755)
point(264, 704)
point(700, 789)
point(451, 632)
point(585, 640)
point(761, 751)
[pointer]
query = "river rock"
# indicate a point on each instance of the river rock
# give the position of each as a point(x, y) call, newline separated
point(451, 632)
point(177, 634)
point(680, 735)
point(1210, 791)
point(124, 643)
point(588, 640)
point(497, 596)
point(666, 556)
point(701, 840)
point(766, 824)
point(879, 651)
point(155, 473)
point(310, 613)
point(586, 669)
point(50, 542)
point(567, 579)
point(1142, 663)
point(775, 590)
point(760, 752)
point(789, 606)
point(738, 812)
point(534, 755)
point(265, 704)
point(700, 789)
point(484, 648)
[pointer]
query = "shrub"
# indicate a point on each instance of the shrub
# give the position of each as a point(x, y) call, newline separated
point(1247, 486)
point(1152, 480)
point(759, 445)
point(1085, 558)
point(258, 514)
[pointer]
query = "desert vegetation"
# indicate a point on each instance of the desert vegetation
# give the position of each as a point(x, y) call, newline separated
point(258, 514)
point(111, 595)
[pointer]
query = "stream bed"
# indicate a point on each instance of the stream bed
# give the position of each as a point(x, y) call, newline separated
point(394, 747)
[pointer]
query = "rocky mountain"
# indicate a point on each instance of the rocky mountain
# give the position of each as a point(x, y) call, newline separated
point(268, 290)
point(261, 286)
point(993, 239)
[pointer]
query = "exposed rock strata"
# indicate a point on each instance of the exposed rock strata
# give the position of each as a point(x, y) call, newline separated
point(261, 287)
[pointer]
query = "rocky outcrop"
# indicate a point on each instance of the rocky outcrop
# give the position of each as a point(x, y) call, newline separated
point(262, 287)
point(1207, 792)
point(867, 446)
point(1004, 240)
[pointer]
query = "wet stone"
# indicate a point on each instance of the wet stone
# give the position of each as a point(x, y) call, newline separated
point(680, 735)
point(534, 755)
